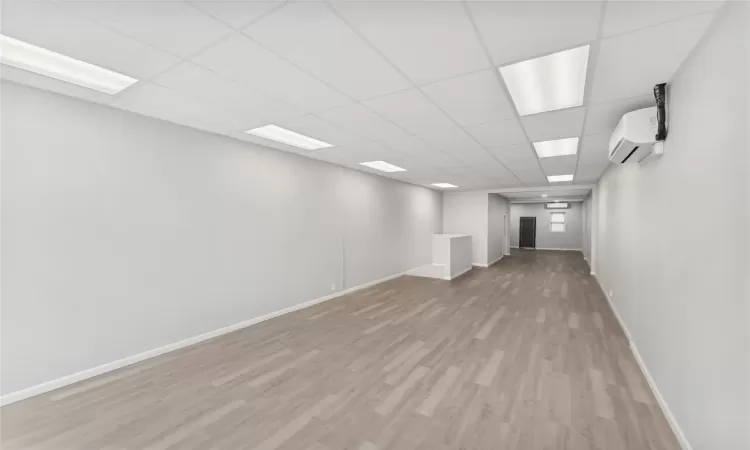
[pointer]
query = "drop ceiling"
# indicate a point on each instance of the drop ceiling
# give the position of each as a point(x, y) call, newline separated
point(415, 84)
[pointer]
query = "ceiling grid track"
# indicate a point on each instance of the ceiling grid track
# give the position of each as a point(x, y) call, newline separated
point(591, 71)
point(417, 87)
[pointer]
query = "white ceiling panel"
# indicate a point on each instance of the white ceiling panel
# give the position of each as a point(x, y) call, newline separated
point(406, 82)
point(518, 151)
point(317, 128)
point(237, 14)
point(410, 145)
point(452, 139)
point(520, 165)
point(178, 28)
point(604, 117)
point(162, 103)
point(357, 152)
point(194, 80)
point(594, 150)
point(55, 28)
point(427, 41)
point(552, 125)
point(532, 177)
point(246, 62)
point(412, 111)
point(625, 70)
point(515, 31)
point(625, 16)
point(472, 99)
point(559, 165)
point(494, 169)
point(314, 38)
point(473, 156)
point(363, 121)
point(497, 134)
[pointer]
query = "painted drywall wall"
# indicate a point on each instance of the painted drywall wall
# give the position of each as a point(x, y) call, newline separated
point(570, 239)
point(123, 233)
point(460, 255)
point(679, 276)
point(586, 243)
point(498, 207)
point(467, 213)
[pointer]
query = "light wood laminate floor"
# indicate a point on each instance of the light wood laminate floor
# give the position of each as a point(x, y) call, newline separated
point(523, 355)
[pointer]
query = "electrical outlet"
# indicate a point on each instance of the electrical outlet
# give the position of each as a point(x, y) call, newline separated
point(333, 287)
point(611, 294)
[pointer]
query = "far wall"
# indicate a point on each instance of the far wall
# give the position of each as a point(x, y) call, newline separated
point(570, 239)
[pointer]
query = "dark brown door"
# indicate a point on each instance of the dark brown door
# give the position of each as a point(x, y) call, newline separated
point(527, 237)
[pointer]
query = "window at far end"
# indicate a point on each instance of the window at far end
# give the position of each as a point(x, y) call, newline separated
point(557, 222)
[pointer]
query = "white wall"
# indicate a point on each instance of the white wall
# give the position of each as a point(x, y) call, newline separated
point(679, 274)
point(586, 243)
point(570, 239)
point(499, 207)
point(123, 233)
point(467, 213)
point(460, 255)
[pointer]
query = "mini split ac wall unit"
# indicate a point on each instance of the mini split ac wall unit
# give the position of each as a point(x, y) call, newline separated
point(634, 139)
point(640, 134)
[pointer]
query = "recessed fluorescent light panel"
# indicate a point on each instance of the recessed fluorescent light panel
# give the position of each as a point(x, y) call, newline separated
point(444, 185)
point(556, 205)
point(559, 178)
point(544, 195)
point(45, 62)
point(382, 166)
point(559, 147)
point(548, 83)
point(288, 137)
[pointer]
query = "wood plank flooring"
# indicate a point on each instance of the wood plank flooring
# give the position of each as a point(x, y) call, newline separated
point(523, 355)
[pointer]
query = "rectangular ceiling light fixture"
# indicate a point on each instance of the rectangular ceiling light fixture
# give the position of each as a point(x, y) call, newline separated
point(444, 185)
point(556, 205)
point(382, 166)
point(278, 134)
point(548, 83)
point(559, 178)
point(558, 147)
point(45, 62)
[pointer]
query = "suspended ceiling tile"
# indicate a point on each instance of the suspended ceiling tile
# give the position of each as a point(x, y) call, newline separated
point(497, 134)
point(626, 16)
point(516, 31)
point(472, 99)
point(177, 28)
point(248, 63)
point(552, 125)
point(314, 38)
point(363, 121)
point(625, 70)
point(427, 41)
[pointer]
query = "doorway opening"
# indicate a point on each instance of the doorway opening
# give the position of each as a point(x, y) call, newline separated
point(527, 235)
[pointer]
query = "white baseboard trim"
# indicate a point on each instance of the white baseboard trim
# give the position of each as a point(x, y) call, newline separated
point(128, 360)
point(496, 260)
point(560, 249)
point(458, 274)
point(676, 429)
point(513, 246)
